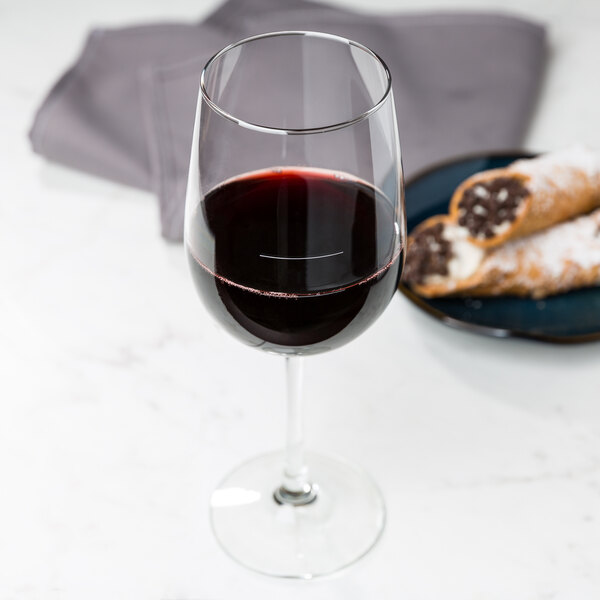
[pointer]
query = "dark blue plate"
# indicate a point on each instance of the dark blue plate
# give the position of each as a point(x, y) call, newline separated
point(566, 318)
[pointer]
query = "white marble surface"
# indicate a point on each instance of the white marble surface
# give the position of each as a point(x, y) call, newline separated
point(122, 404)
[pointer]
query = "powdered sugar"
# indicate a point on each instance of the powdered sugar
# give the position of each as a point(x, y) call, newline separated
point(556, 259)
point(553, 252)
point(558, 169)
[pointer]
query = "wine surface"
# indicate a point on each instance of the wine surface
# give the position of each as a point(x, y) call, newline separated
point(295, 260)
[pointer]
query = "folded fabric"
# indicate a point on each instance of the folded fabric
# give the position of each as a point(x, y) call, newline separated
point(463, 82)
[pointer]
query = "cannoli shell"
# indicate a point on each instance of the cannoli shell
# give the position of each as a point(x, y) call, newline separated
point(557, 260)
point(561, 185)
point(440, 287)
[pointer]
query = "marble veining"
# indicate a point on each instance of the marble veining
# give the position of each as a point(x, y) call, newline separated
point(122, 404)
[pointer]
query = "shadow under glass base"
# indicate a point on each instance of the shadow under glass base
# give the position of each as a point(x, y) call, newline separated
point(340, 526)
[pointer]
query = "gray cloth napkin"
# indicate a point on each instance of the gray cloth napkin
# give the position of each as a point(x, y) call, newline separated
point(463, 82)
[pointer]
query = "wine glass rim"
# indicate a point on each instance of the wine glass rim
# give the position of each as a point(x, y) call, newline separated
point(295, 131)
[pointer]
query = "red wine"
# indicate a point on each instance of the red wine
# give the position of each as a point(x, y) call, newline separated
point(295, 260)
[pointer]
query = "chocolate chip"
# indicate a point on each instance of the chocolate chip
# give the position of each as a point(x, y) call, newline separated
point(480, 213)
point(428, 254)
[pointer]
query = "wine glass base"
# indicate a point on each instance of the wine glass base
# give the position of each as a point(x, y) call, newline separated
point(340, 526)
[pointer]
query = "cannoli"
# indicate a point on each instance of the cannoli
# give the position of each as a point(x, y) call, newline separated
point(442, 261)
point(527, 196)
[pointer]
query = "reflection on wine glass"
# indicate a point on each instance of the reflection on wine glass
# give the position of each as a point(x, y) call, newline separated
point(295, 235)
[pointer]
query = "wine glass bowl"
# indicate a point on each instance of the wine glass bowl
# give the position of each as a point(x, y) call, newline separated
point(295, 234)
point(304, 288)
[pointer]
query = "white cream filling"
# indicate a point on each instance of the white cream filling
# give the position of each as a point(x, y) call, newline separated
point(466, 256)
point(497, 229)
point(481, 192)
point(502, 195)
point(504, 226)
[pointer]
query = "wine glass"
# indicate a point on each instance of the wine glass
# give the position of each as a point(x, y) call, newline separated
point(294, 231)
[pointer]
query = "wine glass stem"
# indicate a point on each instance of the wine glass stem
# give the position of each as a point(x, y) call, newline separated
point(295, 489)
